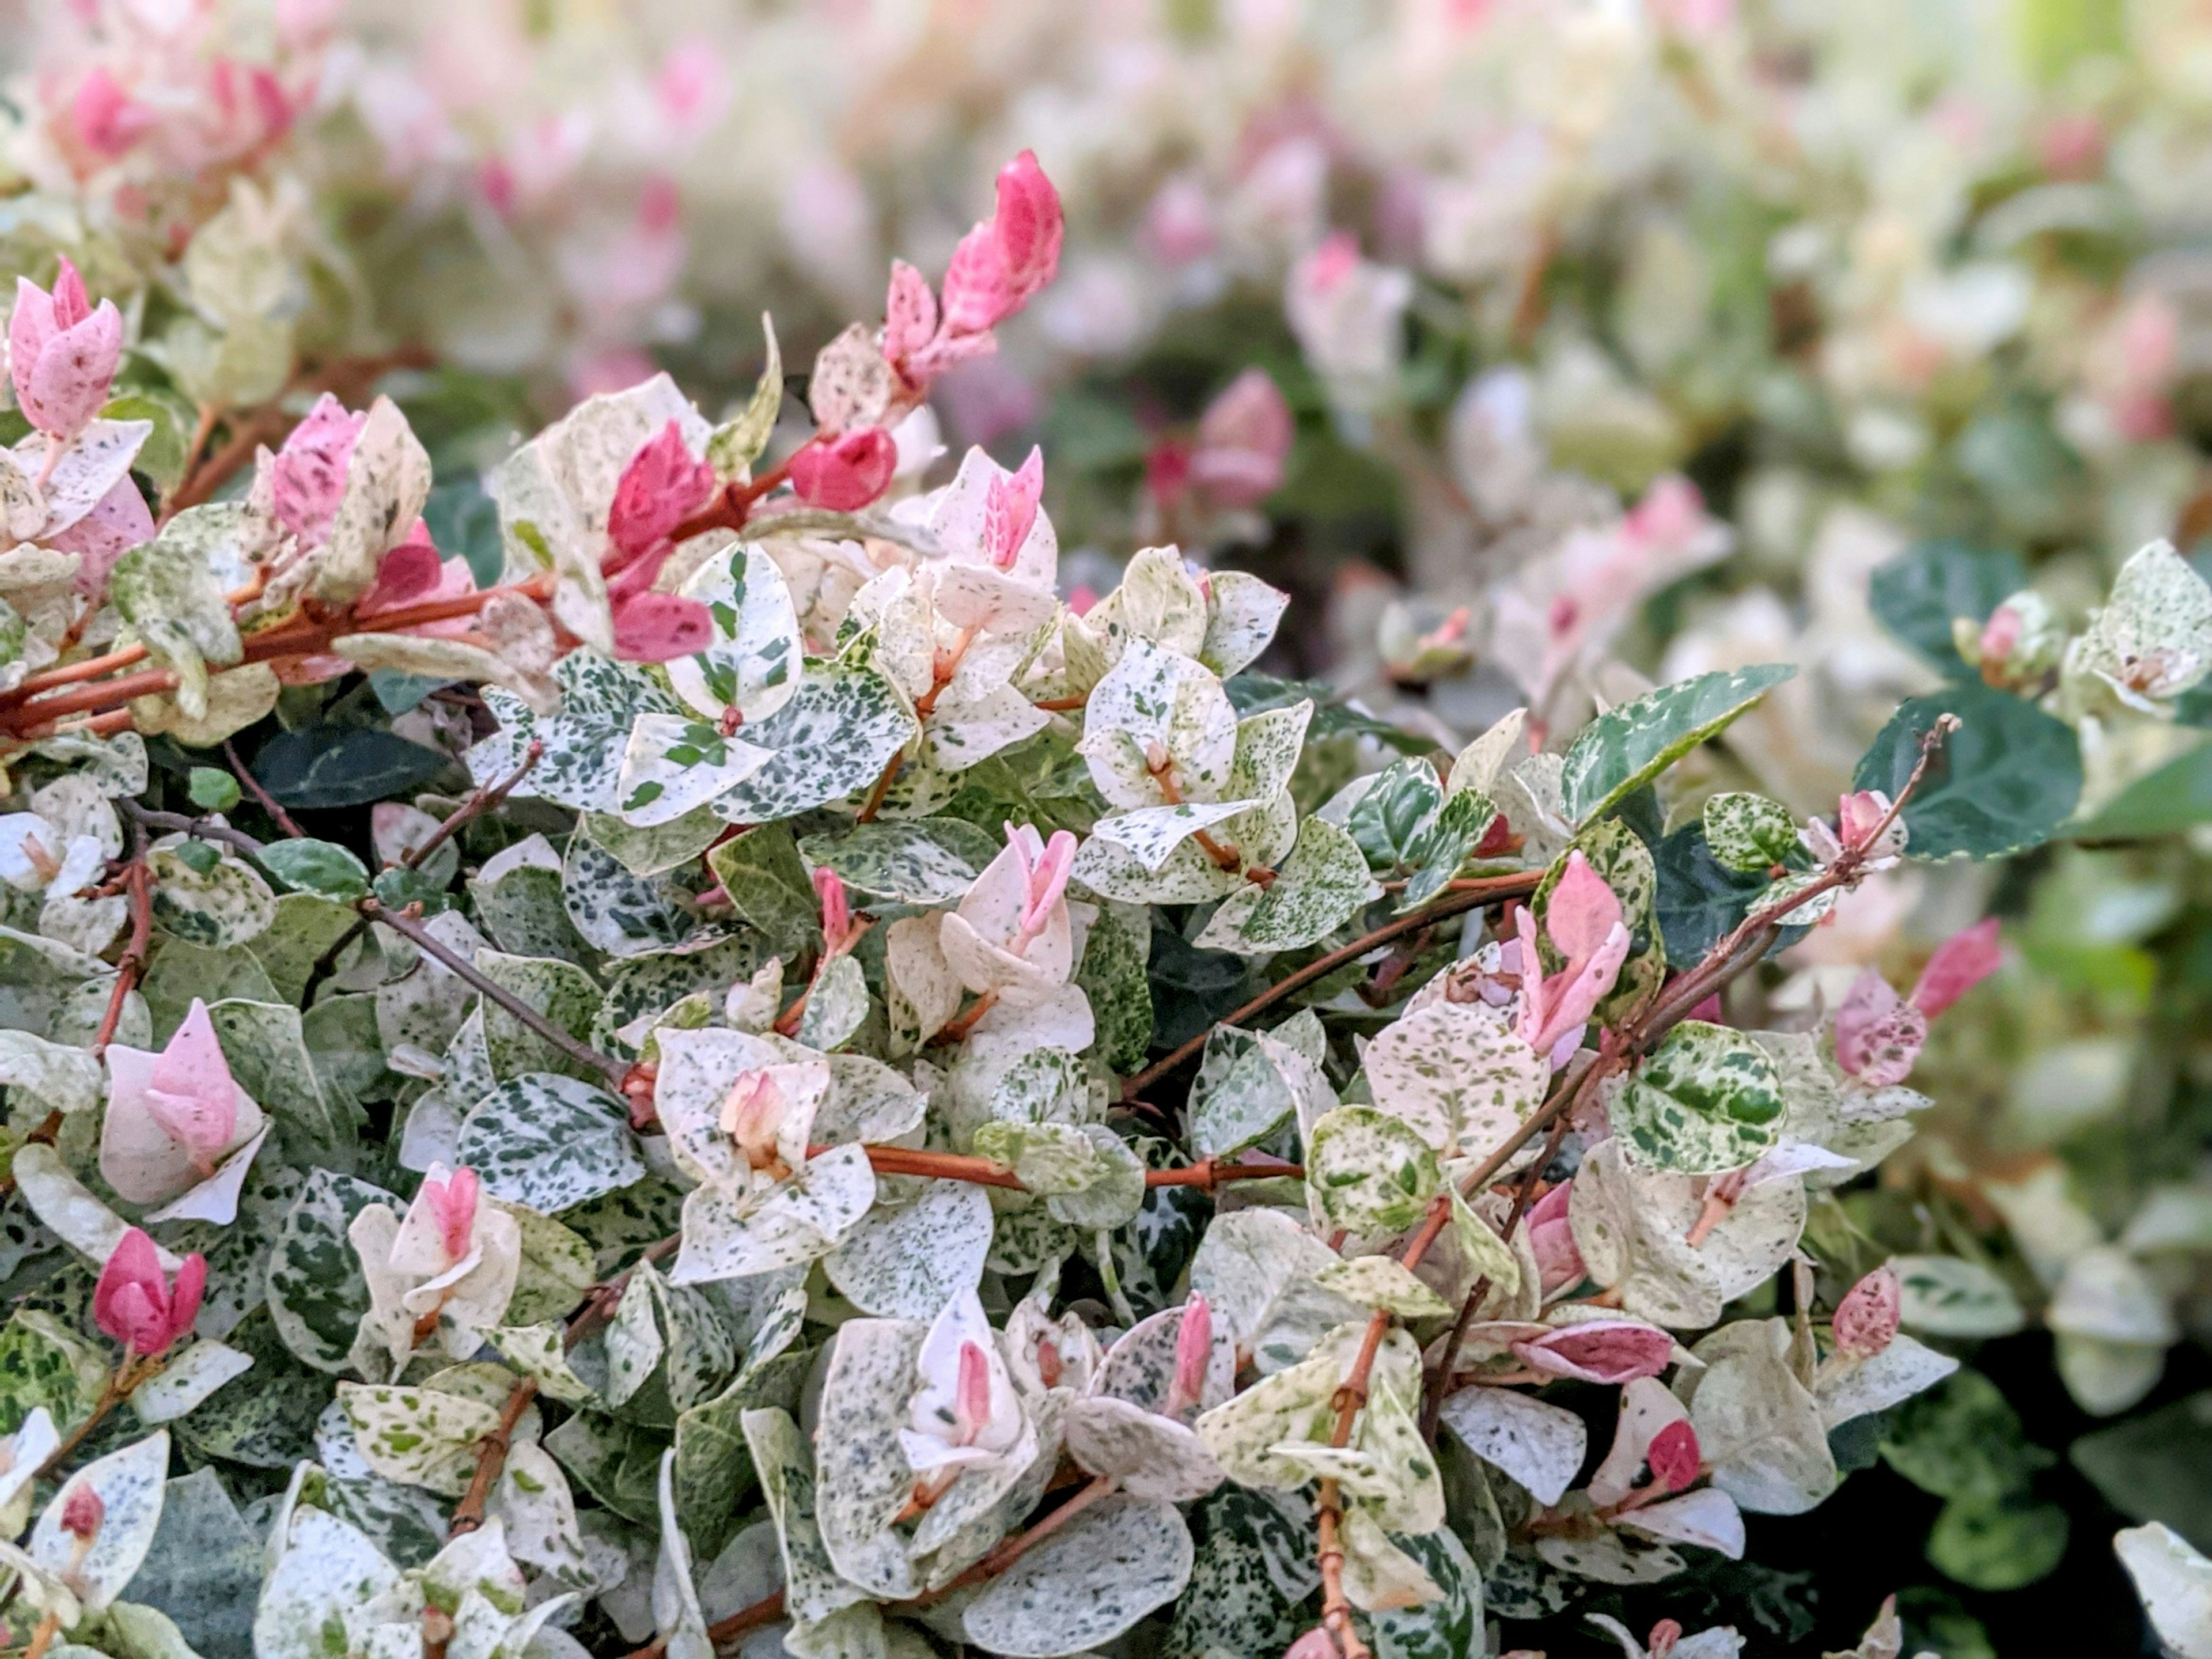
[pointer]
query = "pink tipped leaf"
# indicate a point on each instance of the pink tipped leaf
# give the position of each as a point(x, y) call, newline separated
point(1960, 963)
point(1193, 1351)
point(1675, 1456)
point(190, 1091)
point(1878, 1035)
point(844, 474)
point(308, 475)
point(663, 485)
point(453, 1202)
point(1608, 1351)
point(1867, 1318)
point(661, 627)
point(1009, 508)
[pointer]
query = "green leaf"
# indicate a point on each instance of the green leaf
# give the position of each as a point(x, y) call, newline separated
point(1387, 818)
point(761, 872)
point(225, 904)
point(1706, 1100)
point(1252, 1573)
point(713, 1468)
point(1962, 1439)
point(212, 791)
point(1444, 843)
point(1918, 592)
point(1700, 901)
point(2002, 783)
point(1250, 1083)
point(2157, 1467)
point(320, 867)
point(1112, 974)
point(1446, 1628)
point(737, 443)
point(318, 766)
point(44, 1363)
point(317, 1293)
point(1997, 1544)
point(563, 992)
point(1321, 886)
point(1625, 748)
point(2176, 797)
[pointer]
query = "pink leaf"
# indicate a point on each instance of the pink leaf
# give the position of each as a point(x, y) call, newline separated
point(108, 120)
point(63, 353)
point(1878, 1034)
point(1243, 441)
point(118, 521)
point(1867, 1318)
point(1609, 1351)
point(308, 475)
point(909, 314)
point(1960, 963)
point(662, 486)
point(189, 1090)
point(1559, 1263)
point(1674, 1455)
point(1194, 1350)
point(661, 627)
point(1581, 910)
point(410, 571)
point(1009, 508)
point(453, 1202)
point(134, 1303)
point(836, 906)
point(844, 474)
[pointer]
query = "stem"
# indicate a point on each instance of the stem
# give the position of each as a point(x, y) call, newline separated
point(730, 506)
point(118, 1389)
point(480, 801)
point(424, 940)
point(765, 1611)
point(267, 802)
point(1012, 1549)
point(1467, 895)
point(43, 1637)
point(954, 1030)
point(138, 883)
point(491, 1458)
point(874, 804)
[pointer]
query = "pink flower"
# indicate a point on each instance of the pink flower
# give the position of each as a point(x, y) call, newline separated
point(1867, 1318)
point(1675, 1456)
point(1243, 441)
point(1315, 1643)
point(83, 1511)
point(752, 1115)
point(135, 1302)
point(452, 1202)
point(307, 475)
point(1878, 1035)
point(1559, 1263)
point(1584, 920)
point(63, 353)
point(173, 1118)
point(1960, 963)
point(1660, 1644)
point(1670, 517)
point(836, 910)
point(1610, 1351)
point(108, 120)
point(844, 474)
point(1193, 1351)
point(1000, 265)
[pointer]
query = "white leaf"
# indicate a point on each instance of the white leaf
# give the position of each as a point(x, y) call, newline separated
point(1539, 1445)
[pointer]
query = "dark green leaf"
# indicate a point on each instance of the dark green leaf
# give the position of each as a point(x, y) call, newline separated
point(2003, 782)
point(320, 867)
point(1625, 748)
point(1917, 593)
point(2176, 797)
point(326, 766)
point(2157, 1467)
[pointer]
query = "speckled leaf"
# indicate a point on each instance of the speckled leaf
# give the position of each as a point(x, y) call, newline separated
point(1322, 885)
point(1155, 696)
point(557, 1268)
point(832, 740)
point(916, 862)
point(674, 764)
point(1747, 832)
point(600, 702)
point(191, 1374)
point(1948, 1296)
point(1759, 1428)
point(44, 1363)
point(1624, 748)
point(266, 1045)
point(549, 1142)
point(421, 1437)
point(1706, 1100)
point(1444, 843)
point(812, 1589)
point(1086, 1583)
point(228, 905)
point(517, 899)
point(1253, 1569)
point(762, 872)
point(1112, 974)
point(330, 1586)
point(1458, 1074)
point(1250, 1084)
point(755, 662)
point(1540, 1446)
point(1448, 1627)
point(861, 1477)
point(618, 1463)
point(1381, 1281)
point(906, 1261)
point(799, 1219)
point(1391, 812)
point(837, 1005)
point(317, 1294)
point(1368, 1173)
point(618, 913)
point(560, 991)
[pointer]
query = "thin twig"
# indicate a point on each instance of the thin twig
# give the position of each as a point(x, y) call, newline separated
point(43, 1636)
point(491, 1458)
point(267, 802)
point(1469, 895)
point(480, 801)
point(424, 940)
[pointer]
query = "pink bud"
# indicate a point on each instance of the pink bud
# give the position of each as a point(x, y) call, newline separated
point(1330, 265)
point(844, 474)
point(999, 266)
point(1859, 815)
point(1670, 516)
point(189, 1089)
point(836, 908)
point(1867, 1318)
point(1580, 911)
point(1315, 1643)
point(1999, 634)
point(135, 1302)
point(1010, 509)
point(1559, 1263)
point(63, 353)
point(308, 474)
point(1243, 441)
point(1193, 1351)
point(1960, 963)
point(453, 1202)
point(1675, 1456)
point(661, 627)
point(753, 1114)
point(662, 486)
point(1664, 1635)
point(1044, 874)
point(971, 1406)
point(83, 1511)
